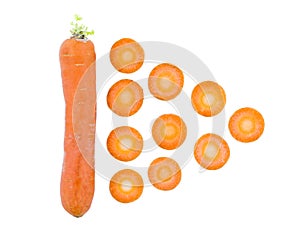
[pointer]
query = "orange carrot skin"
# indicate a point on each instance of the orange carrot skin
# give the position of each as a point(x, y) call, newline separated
point(78, 71)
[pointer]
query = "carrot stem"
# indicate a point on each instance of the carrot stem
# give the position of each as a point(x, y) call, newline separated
point(79, 31)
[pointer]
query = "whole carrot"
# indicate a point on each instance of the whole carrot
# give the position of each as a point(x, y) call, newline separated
point(78, 71)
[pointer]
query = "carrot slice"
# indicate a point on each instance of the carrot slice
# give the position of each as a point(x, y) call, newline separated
point(169, 131)
point(125, 143)
point(125, 97)
point(208, 98)
point(246, 124)
point(126, 55)
point(211, 151)
point(164, 173)
point(126, 186)
point(165, 81)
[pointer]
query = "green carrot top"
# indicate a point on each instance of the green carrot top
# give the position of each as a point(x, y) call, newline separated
point(79, 31)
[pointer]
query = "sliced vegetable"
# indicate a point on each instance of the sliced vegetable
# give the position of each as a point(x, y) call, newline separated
point(208, 98)
point(169, 131)
point(164, 173)
point(211, 151)
point(126, 186)
point(127, 55)
point(165, 81)
point(125, 143)
point(246, 124)
point(125, 97)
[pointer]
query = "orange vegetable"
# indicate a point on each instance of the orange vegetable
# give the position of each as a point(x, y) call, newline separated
point(246, 124)
point(208, 98)
point(211, 151)
point(78, 71)
point(126, 55)
point(125, 97)
point(164, 173)
point(165, 81)
point(169, 131)
point(126, 186)
point(125, 143)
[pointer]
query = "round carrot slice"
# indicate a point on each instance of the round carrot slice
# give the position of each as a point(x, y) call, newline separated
point(211, 151)
point(169, 131)
point(126, 55)
point(164, 173)
point(126, 186)
point(246, 124)
point(124, 143)
point(125, 97)
point(208, 98)
point(165, 81)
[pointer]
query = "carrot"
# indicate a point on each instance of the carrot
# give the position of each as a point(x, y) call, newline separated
point(125, 143)
point(125, 97)
point(126, 186)
point(77, 61)
point(164, 173)
point(208, 98)
point(169, 131)
point(126, 55)
point(246, 124)
point(165, 81)
point(211, 151)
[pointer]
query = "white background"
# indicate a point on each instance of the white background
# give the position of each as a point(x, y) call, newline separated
point(251, 47)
